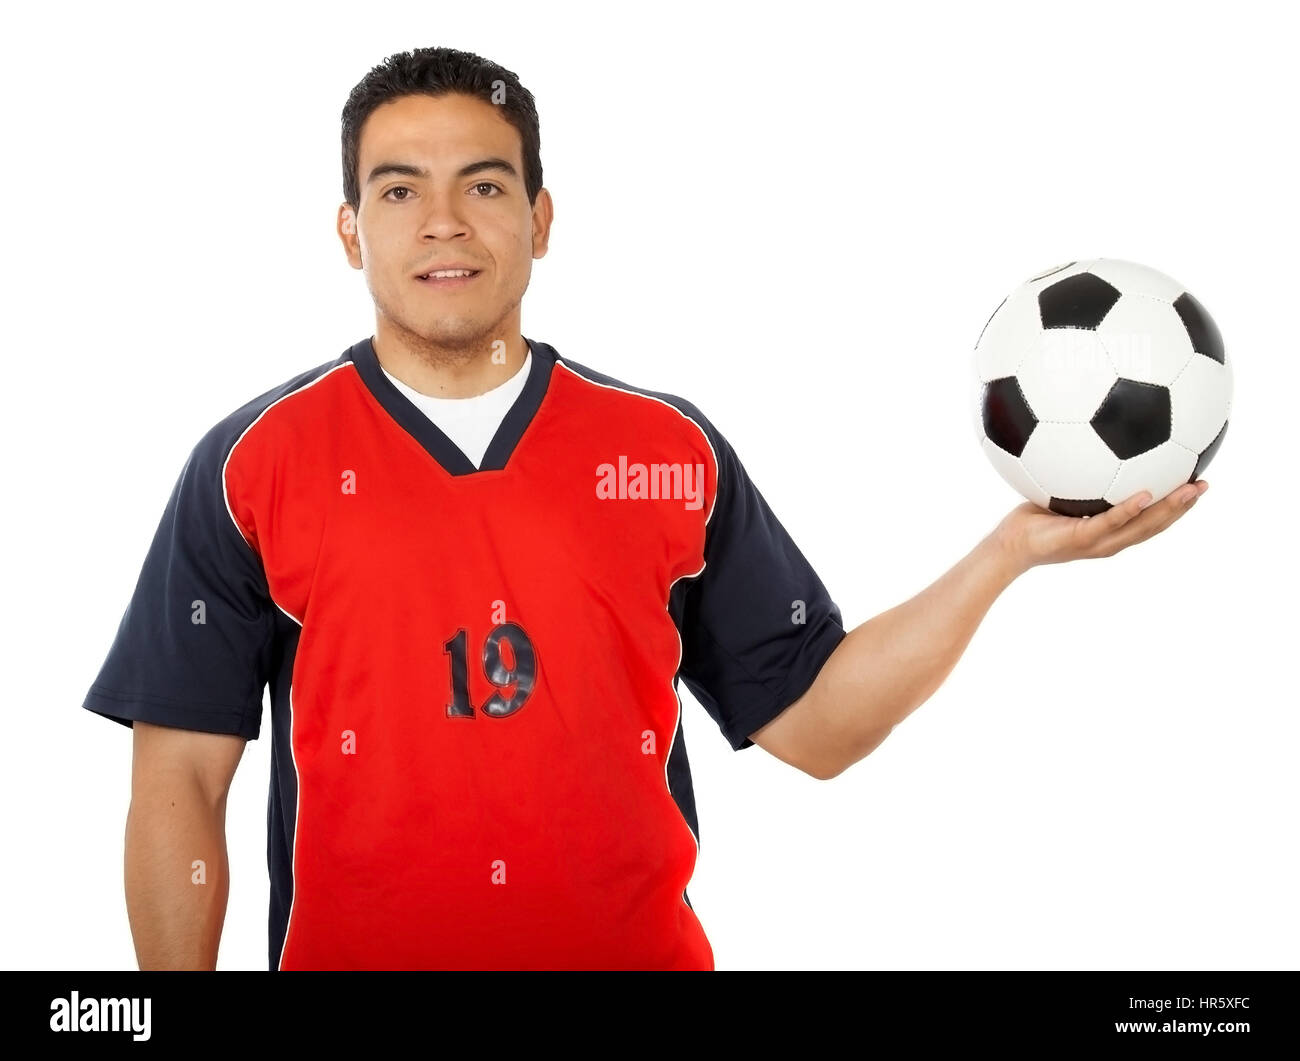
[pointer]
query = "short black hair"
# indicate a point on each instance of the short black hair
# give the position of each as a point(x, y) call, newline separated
point(438, 72)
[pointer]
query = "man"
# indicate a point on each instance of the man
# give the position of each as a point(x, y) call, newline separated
point(473, 572)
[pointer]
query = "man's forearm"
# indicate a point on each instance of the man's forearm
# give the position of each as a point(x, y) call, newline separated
point(176, 909)
point(886, 668)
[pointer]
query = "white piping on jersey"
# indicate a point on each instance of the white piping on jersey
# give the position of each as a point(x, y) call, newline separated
point(226, 494)
point(297, 780)
point(293, 864)
point(293, 855)
point(712, 504)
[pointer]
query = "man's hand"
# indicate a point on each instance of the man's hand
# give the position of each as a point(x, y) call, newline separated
point(1031, 535)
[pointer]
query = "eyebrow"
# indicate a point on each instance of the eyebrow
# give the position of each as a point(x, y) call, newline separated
point(406, 169)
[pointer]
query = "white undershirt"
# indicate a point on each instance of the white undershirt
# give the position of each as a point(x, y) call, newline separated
point(471, 423)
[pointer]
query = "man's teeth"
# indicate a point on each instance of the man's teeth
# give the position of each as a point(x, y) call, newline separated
point(448, 274)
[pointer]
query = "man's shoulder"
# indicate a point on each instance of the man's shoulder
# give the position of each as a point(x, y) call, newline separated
point(687, 410)
point(217, 442)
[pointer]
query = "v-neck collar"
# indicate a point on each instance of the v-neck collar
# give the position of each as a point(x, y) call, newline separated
point(442, 449)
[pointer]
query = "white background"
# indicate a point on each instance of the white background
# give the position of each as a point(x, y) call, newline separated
point(799, 217)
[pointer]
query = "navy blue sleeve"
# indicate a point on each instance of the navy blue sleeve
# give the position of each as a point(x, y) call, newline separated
point(193, 648)
point(756, 624)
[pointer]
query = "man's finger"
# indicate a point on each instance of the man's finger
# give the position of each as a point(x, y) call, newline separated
point(1094, 533)
point(1128, 530)
point(1118, 515)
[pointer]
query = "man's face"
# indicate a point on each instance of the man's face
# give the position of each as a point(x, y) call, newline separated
point(467, 207)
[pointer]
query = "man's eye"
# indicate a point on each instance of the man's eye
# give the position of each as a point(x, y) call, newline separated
point(402, 188)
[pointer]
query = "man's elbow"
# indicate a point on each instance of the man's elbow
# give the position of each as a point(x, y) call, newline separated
point(829, 772)
point(830, 767)
point(808, 738)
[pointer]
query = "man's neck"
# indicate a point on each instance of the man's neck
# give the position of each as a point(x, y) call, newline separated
point(458, 373)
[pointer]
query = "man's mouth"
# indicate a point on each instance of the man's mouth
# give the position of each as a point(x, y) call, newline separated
point(447, 278)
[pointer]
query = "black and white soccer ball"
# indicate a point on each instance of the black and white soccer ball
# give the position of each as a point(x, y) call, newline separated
point(1099, 379)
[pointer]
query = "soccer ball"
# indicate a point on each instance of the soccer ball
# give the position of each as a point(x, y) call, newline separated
point(1099, 379)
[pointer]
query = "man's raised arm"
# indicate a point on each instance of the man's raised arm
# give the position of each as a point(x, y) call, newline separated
point(886, 668)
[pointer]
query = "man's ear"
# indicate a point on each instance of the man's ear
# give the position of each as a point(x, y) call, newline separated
point(543, 215)
point(347, 230)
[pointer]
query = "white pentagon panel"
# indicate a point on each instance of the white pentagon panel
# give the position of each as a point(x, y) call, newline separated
point(1069, 461)
point(1014, 473)
point(1132, 278)
point(1007, 335)
point(1065, 374)
point(1201, 398)
point(1160, 470)
point(1146, 340)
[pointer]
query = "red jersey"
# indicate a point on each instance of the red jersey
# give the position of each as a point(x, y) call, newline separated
point(477, 742)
